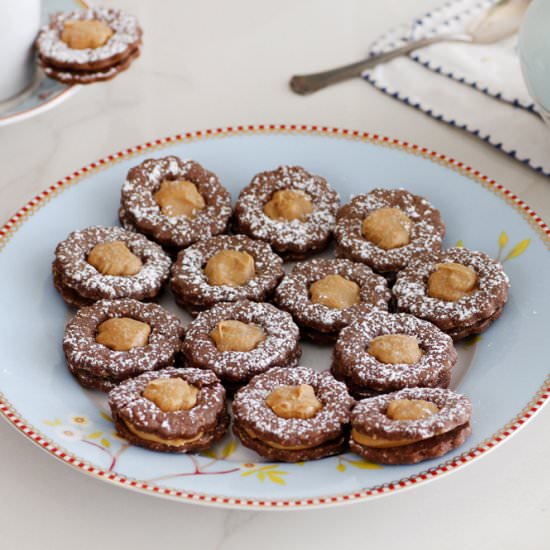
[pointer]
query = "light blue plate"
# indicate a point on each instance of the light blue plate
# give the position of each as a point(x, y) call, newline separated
point(45, 92)
point(503, 372)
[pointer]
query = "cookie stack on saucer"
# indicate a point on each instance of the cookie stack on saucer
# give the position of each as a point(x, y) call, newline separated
point(82, 47)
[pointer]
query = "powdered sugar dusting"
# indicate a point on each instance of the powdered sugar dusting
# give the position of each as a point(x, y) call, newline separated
point(125, 28)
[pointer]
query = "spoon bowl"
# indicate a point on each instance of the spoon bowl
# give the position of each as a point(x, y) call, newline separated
point(498, 22)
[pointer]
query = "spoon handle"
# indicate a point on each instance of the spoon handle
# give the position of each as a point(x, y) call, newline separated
point(309, 83)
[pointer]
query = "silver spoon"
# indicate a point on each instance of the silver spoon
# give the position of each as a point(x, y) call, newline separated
point(494, 24)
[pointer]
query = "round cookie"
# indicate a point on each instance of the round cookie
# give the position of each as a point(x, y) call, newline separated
point(172, 410)
point(386, 229)
point(225, 268)
point(289, 208)
point(88, 41)
point(113, 340)
point(89, 77)
point(174, 202)
point(108, 262)
point(325, 295)
point(461, 291)
point(291, 415)
point(386, 352)
point(409, 426)
point(238, 340)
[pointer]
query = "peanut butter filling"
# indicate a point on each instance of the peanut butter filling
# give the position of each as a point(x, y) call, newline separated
point(451, 281)
point(387, 228)
point(288, 205)
point(179, 198)
point(171, 394)
point(395, 348)
point(177, 442)
point(231, 335)
point(114, 258)
point(230, 268)
point(379, 443)
point(123, 333)
point(294, 401)
point(411, 409)
point(86, 34)
point(335, 292)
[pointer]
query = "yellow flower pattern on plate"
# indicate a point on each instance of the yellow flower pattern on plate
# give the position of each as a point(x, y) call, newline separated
point(270, 472)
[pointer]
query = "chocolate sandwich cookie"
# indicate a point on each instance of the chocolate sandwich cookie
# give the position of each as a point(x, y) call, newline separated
point(325, 295)
point(172, 410)
point(386, 228)
point(238, 340)
point(113, 340)
point(461, 291)
point(385, 352)
point(225, 268)
point(88, 77)
point(409, 426)
point(108, 262)
point(81, 47)
point(293, 414)
point(289, 208)
point(174, 202)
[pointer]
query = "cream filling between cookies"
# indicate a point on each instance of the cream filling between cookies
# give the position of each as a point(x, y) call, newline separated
point(278, 445)
point(178, 442)
point(380, 443)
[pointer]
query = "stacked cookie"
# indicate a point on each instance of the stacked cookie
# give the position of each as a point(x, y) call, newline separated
point(83, 47)
point(325, 295)
point(113, 340)
point(238, 340)
point(409, 426)
point(386, 352)
point(108, 262)
point(392, 303)
point(172, 410)
point(293, 415)
point(175, 203)
point(289, 208)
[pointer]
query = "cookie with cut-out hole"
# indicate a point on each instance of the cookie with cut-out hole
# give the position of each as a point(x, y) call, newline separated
point(113, 340)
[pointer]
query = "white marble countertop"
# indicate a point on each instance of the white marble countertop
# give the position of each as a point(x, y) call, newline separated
point(205, 64)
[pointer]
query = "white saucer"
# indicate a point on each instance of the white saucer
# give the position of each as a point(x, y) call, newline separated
point(45, 93)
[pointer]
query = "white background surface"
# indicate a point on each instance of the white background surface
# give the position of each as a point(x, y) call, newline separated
point(208, 64)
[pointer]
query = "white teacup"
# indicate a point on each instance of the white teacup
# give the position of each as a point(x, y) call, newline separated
point(534, 54)
point(19, 24)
